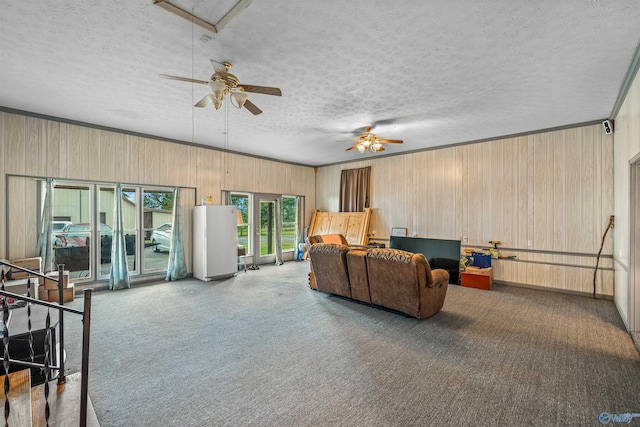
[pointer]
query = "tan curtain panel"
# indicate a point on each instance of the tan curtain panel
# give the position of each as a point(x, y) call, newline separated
point(355, 189)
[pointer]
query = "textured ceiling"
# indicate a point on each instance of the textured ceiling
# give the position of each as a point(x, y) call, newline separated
point(428, 72)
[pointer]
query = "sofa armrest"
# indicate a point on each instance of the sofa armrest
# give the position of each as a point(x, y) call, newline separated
point(439, 276)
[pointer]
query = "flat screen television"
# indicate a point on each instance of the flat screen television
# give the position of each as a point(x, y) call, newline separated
point(440, 253)
point(430, 248)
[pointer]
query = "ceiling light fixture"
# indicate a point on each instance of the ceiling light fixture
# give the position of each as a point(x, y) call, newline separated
point(221, 88)
point(223, 85)
point(369, 142)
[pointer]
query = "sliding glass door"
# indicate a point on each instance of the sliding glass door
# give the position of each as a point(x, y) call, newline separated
point(83, 221)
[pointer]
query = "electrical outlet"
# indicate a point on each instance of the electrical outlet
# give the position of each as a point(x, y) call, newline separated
point(529, 243)
point(465, 239)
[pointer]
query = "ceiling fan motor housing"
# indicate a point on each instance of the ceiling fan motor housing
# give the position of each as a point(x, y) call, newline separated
point(230, 80)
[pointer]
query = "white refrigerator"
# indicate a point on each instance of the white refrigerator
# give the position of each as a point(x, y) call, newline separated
point(215, 242)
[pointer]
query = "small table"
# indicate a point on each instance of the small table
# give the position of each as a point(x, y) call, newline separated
point(242, 253)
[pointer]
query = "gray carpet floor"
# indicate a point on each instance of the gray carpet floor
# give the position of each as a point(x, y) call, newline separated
point(262, 349)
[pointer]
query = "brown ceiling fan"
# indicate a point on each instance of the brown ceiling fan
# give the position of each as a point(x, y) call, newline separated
point(223, 83)
point(370, 141)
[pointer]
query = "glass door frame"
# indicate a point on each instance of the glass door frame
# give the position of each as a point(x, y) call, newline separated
point(258, 199)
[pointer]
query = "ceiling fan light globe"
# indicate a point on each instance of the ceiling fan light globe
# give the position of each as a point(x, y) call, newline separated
point(376, 146)
point(361, 148)
point(218, 88)
point(238, 99)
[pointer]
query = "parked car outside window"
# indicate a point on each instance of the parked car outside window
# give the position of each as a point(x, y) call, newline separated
point(78, 234)
point(161, 237)
point(56, 228)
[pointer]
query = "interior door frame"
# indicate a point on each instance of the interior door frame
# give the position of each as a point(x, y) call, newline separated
point(256, 237)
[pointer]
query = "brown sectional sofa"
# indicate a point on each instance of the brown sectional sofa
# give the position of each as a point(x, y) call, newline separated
point(390, 278)
point(321, 238)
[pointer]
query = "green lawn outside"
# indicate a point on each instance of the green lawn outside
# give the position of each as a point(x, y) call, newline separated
point(288, 239)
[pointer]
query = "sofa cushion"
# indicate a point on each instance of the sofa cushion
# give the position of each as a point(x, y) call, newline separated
point(394, 280)
point(403, 281)
point(357, 267)
point(397, 255)
point(329, 262)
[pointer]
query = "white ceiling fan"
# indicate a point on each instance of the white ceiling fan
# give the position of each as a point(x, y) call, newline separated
point(370, 141)
point(223, 83)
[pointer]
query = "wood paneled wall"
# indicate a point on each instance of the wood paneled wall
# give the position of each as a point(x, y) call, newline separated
point(36, 147)
point(550, 192)
point(542, 192)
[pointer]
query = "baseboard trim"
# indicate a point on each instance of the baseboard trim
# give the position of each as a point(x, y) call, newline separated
point(635, 336)
point(556, 290)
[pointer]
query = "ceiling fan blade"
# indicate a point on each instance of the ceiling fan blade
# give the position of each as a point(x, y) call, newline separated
point(391, 141)
point(252, 107)
point(182, 79)
point(265, 90)
point(217, 64)
point(205, 101)
point(352, 147)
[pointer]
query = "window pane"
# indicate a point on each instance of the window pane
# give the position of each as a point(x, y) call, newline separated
point(72, 243)
point(106, 201)
point(289, 208)
point(157, 217)
point(243, 236)
point(106, 211)
point(130, 225)
point(289, 223)
point(241, 201)
point(267, 228)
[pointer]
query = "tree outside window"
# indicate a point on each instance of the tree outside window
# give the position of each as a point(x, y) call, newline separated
point(289, 222)
point(241, 202)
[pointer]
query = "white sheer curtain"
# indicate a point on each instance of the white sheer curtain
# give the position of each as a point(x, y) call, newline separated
point(119, 277)
point(177, 268)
